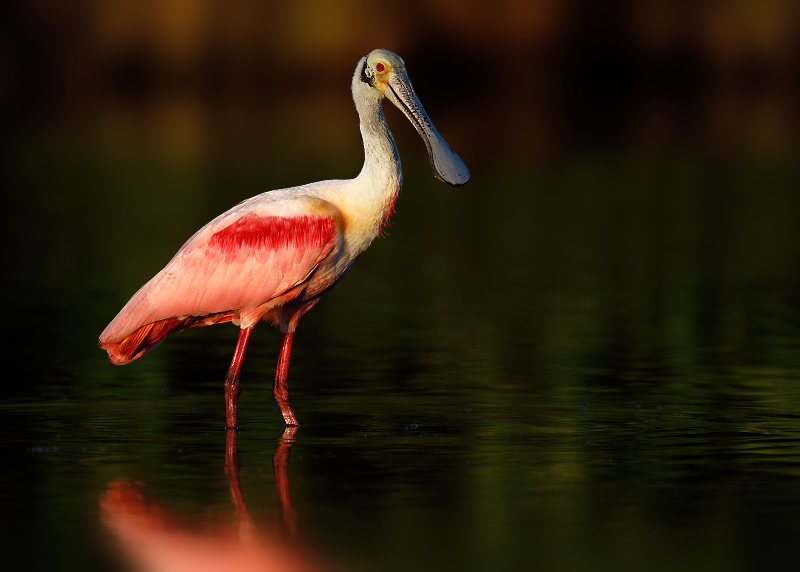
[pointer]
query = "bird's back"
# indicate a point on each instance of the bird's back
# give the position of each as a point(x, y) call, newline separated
point(263, 252)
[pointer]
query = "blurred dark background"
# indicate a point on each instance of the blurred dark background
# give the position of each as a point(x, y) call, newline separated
point(508, 79)
point(616, 144)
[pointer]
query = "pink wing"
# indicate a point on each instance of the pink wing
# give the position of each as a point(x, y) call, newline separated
point(235, 264)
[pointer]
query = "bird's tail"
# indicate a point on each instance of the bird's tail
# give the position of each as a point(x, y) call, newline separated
point(150, 335)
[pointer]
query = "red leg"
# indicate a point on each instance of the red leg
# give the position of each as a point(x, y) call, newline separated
point(232, 474)
point(281, 387)
point(232, 388)
point(280, 463)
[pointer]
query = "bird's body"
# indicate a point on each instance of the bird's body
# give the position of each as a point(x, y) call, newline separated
point(273, 256)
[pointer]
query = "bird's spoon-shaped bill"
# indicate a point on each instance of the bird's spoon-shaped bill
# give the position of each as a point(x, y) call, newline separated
point(445, 164)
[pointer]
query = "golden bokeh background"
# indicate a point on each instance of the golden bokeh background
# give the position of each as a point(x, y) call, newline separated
point(509, 78)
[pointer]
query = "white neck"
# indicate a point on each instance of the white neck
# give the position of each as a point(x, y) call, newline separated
point(369, 198)
point(381, 159)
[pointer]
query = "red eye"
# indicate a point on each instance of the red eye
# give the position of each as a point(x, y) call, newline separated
point(379, 68)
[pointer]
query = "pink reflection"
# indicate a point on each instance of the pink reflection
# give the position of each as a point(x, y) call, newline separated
point(156, 540)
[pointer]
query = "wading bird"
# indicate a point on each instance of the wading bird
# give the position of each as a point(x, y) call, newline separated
point(273, 256)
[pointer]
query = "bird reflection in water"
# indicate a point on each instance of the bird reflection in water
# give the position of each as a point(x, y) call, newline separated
point(155, 540)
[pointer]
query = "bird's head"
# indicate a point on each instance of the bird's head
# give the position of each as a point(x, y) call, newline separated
point(381, 67)
point(385, 72)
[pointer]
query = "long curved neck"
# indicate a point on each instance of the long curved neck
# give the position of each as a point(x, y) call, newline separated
point(369, 199)
point(381, 159)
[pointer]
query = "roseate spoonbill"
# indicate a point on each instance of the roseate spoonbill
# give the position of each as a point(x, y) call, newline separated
point(273, 256)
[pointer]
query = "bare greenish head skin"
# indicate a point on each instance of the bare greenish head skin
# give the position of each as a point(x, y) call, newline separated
point(386, 57)
point(386, 72)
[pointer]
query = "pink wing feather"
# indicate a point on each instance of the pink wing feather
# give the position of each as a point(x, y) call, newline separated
point(239, 261)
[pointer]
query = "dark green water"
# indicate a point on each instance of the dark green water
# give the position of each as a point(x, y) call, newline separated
point(593, 365)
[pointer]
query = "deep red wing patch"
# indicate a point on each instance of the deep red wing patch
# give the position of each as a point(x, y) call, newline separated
point(273, 233)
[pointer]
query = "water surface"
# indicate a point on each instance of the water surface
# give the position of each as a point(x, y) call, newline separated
point(587, 365)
